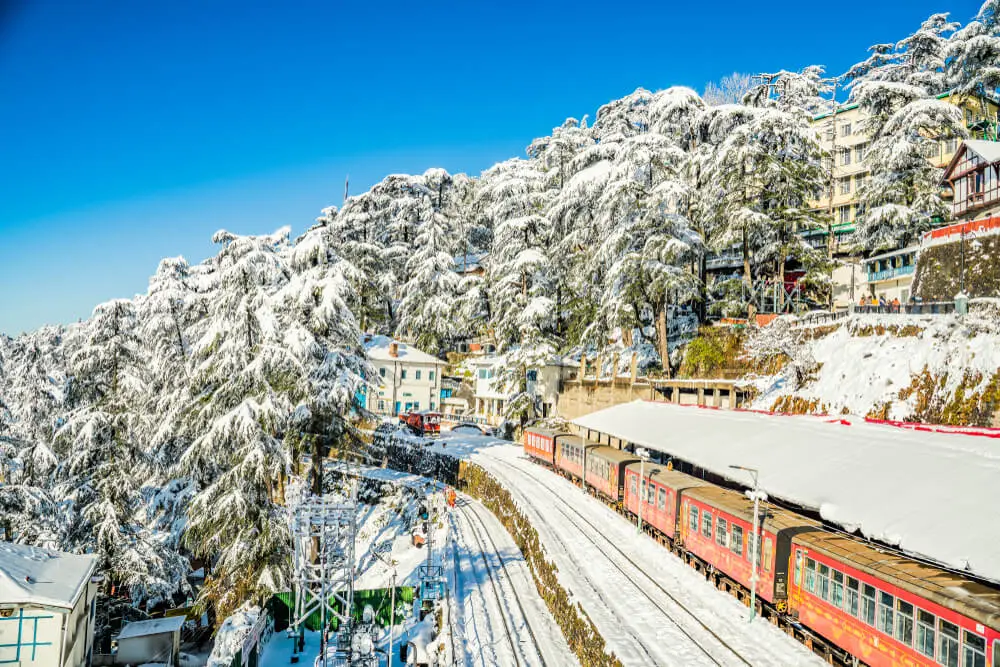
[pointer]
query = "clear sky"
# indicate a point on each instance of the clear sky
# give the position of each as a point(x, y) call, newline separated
point(131, 131)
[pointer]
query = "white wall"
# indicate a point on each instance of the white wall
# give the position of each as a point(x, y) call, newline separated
point(45, 633)
point(842, 298)
point(425, 391)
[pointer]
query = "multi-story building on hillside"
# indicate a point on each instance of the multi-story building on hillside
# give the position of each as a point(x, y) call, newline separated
point(842, 135)
point(408, 378)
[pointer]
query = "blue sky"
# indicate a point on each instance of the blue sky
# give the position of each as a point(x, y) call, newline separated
point(131, 131)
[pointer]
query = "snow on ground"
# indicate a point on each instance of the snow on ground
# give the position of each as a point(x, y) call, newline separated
point(652, 610)
point(229, 638)
point(899, 486)
point(860, 372)
point(490, 587)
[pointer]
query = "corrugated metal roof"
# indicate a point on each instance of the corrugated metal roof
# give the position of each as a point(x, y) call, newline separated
point(154, 626)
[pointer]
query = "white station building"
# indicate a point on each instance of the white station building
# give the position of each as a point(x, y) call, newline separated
point(408, 378)
point(46, 607)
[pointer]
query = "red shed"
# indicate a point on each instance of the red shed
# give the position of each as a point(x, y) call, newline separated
point(887, 609)
point(662, 500)
point(717, 526)
point(540, 443)
point(606, 470)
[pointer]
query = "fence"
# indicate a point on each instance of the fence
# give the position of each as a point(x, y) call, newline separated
point(917, 308)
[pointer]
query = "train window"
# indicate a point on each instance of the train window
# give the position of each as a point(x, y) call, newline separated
point(823, 581)
point(706, 524)
point(885, 612)
point(651, 496)
point(837, 589)
point(925, 632)
point(642, 496)
point(798, 568)
point(768, 551)
point(851, 596)
point(868, 604)
point(662, 499)
point(693, 518)
point(996, 653)
point(904, 623)
point(973, 650)
point(721, 534)
point(736, 540)
point(947, 643)
point(631, 486)
point(810, 575)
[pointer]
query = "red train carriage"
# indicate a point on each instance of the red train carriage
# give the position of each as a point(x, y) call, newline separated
point(606, 470)
point(717, 526)
point(570, 450)
point(659, 491)
point(890, 610)
point(540, 444)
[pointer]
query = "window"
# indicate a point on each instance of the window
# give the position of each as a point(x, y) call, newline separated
point(631, 486)
point(430, 375)
point(845, 157)
point(845, 186)
point(798, 568)
point(827, 163)
point(721, 534)
point(662, 499)
point(484, 374)
point(996, 653)
point(845, 130)
point(736, 540)
point(837, 589)
point(904, 623)
point(381, 372)
point(973, 650)
point(950, 146)
point(532, 376)
point(651, 494)
point(931, 149)
point(768, 552)
point(810, 575)
point(860, 181)
point(947, 643)
point(844, 213)
point(693, 518)
point(851, 596)
point(868, 604)
point(925, 632)
point(885, 611)
point(416, 375)
point(402, 374)
point(642, 497)
point(432, 405)
point(706, 524)
point(823, 582)
point(860, 152)
point(381, 405)
point(416, 405)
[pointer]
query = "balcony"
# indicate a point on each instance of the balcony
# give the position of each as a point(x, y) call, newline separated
point(890, 274)
point(723, 260)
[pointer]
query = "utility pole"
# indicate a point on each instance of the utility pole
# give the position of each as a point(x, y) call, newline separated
point(643, 455)
point(756, 538)
point(831, 183)
point(380, 552)
point(347, 187)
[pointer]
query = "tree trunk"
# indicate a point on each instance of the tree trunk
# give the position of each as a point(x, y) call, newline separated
point(661, 338)
point(781, 283)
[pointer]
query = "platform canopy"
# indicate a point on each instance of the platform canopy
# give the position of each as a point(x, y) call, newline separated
point(933, 492)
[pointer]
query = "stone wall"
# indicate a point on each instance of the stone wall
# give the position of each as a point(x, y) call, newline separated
point(939, 268)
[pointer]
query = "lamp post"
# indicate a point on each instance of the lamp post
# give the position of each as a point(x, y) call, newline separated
point(643, 455)
point(756, 538)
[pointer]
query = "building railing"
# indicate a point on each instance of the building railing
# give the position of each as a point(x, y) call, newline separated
point(916, 308)
point(889, 274)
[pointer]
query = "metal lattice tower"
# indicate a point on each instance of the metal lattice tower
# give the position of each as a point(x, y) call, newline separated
point(323, 532)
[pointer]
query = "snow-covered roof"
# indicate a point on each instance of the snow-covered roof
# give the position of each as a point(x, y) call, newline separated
point(154, 626)
point(988, 150)
point(469, 262)
point(378, 349)
point(31, 575)
point(931, 493)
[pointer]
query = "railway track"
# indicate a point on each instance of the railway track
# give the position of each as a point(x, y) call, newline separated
point(616, 555)
point(512, 615)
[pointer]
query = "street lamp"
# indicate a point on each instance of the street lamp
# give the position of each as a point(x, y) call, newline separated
point(643, 455)
point(755, 494)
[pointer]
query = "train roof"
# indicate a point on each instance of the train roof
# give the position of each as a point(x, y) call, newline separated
point(735, 503)
point(551, 432)
point(611, 454)
point(673, 478)
point(970, 598)
point(918, 490)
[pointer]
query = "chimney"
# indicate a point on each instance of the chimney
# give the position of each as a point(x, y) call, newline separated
point(367, 337)
point(394, 349)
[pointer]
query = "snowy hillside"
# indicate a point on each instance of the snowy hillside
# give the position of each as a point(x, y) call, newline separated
point(941, 369)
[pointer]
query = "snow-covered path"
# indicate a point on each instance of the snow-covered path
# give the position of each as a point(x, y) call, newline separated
point(651, 608)
point(496, 608)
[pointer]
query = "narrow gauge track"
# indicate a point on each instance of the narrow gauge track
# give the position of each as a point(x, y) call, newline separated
point(638, 568)
point(482, 536)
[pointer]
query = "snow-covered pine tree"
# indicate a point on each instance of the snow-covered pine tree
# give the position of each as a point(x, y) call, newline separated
point(973, 58)
point(896, 89)
point(103, 463)
point(245, 384)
